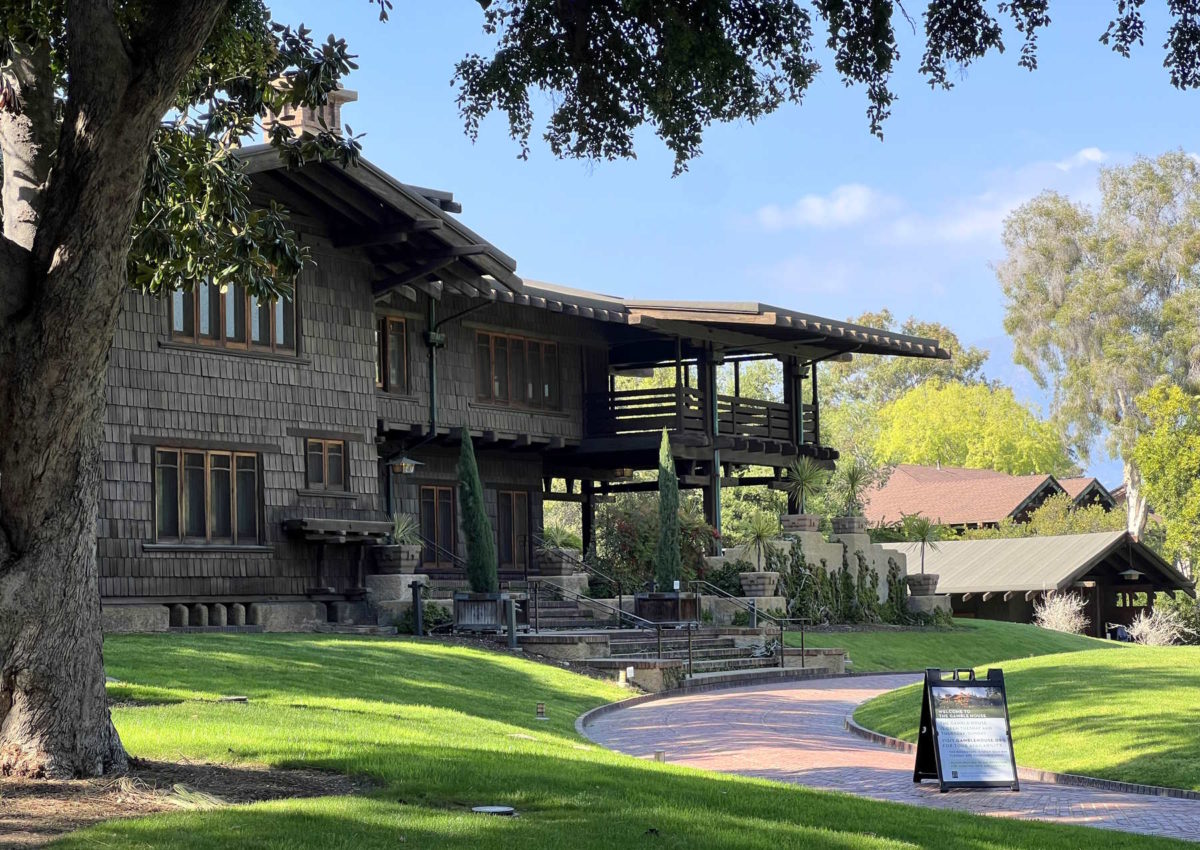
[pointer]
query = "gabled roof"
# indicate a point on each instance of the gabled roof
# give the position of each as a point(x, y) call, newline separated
point(956, 496)
point(1036, 563)
point(1086, 489)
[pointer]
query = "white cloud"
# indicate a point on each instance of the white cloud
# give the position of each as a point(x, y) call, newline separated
point(847, 205)
point(1084, 157)
point(801, 275)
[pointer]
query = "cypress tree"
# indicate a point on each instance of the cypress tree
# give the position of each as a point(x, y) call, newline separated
point(666, 560)
point(481, 544)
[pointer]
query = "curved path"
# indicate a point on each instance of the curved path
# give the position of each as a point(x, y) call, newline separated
point(794, 732)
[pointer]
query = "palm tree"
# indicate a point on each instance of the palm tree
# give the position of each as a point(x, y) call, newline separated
point(921, 529)
point(804, 479)
point(851, 482)
point(761, 529)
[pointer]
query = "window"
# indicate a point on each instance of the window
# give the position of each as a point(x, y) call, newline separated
point(233, 319)
point(437, 525)
point(206, 496)
point(512, 528)
point(391, 355)
point(325, 464)
point(516, 371)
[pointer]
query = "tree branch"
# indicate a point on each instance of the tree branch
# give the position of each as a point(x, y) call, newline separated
point(168, 43)
point(15, 268)
point(27, 135)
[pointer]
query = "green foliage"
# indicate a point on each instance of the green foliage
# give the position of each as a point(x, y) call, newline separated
point(804, 479)
point(920, 529)
point(1103, 304)
point(1057, 515)
point(895, 608)
point(740, 619)
point(726, 577)
point(666, 557)
point(432, 616)
point(1186, 609)
point(850, 483)
point(1167, 453)
point(482, 565)
point(557, 537)
point(866, 591)
point(976, 426)
point(739, 504)
point(760, 531)
point(406, 531)
point(627, 537)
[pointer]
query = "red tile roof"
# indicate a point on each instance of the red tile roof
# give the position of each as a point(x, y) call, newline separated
point(954, 496)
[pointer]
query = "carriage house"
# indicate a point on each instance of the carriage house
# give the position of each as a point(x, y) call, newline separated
point(253, 450)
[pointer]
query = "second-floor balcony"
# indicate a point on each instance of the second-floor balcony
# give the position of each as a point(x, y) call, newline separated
point(684, 410)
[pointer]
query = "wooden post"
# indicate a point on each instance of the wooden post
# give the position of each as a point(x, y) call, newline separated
point(588, 510)
point(678, 385)
point(709, 394)
point(816, 407)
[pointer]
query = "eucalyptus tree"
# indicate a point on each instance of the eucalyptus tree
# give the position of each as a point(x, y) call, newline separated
point(117, 119)
point(1104, 304)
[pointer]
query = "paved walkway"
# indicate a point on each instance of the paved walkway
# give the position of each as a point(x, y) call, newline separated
point(794, 732)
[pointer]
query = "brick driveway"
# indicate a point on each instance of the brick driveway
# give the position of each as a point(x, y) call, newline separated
point(793, 732)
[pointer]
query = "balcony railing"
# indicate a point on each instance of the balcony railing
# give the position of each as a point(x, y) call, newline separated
point(682, 410)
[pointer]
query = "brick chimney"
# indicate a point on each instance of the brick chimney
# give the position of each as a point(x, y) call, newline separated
point(308, 119)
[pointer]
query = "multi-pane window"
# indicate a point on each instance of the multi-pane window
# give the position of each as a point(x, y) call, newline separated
point(206, 496)
point(391, 355)
point(233, 319)
point(517, 371)
point(437, 525)
point(325, 464)
point(512, 528)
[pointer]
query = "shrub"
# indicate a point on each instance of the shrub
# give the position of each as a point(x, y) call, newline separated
point(1188, 611)
point(1158, 627)
point(726, 576)
point(1061, 612)
point(434, 615)
point(627, 538)
point(557, 537)
point(895, 609)
point(482, 565)
point(406, 531)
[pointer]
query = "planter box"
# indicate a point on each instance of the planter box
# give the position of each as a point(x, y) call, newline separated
point(396, 560)
point(557, 562)
point(667, 607)
point(798, 523)
point(922, 585)
point(487, 612)
point(759, 583)
point(850, 525)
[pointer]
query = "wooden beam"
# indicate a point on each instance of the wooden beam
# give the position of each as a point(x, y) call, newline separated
point(414, 275)
point(967, 596)
point(1031, 595)
point(1007, 596)
point(986, 596)
point(388, 235)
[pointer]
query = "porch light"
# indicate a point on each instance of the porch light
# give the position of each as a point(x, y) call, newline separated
point(1130, 575)
point(406, 466)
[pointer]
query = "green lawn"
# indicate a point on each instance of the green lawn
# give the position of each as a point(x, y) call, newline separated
point(971, 643)
point(439, 729)
point(1132, 715)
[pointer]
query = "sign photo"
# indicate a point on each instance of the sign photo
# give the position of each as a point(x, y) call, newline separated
point(965, 739)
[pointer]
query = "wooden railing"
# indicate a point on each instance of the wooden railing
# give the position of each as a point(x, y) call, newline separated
point(682, 409)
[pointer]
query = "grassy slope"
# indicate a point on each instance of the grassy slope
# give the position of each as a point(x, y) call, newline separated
point(972, 643)
point(1132, 715)
point(443, 728)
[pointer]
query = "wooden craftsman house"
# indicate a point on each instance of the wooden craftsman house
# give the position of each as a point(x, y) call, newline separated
point(252, 448)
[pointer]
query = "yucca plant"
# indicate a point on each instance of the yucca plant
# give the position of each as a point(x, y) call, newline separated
point(804, 479)
point(557, 537)
point(851, 482)
point(761, 529)
point(406, 531)
point(921, 529)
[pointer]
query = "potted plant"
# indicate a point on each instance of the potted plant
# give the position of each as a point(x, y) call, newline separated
point(402, 554)
point(920, 529)
point(669, 604)
point(762, 528)
point(851, 482)
point(804, 479)
point(558, 553)
point(483, 608)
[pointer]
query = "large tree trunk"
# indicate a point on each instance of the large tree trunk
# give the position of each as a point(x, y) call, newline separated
point(1136, 509)
point(59, 300)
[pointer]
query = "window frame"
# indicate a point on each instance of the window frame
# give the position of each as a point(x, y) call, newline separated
point(182, 497)
point(438, 490)
point(324, 484)
point(545, 353)
point(383, 352)
point(220, 338)
point(520, 554)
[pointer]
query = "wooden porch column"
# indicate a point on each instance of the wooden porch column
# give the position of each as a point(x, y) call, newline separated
point(588, 512)
point(816, 406)
point(707, 378)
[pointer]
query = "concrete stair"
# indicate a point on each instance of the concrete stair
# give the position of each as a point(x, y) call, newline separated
point(715, 658)
point(552, 612)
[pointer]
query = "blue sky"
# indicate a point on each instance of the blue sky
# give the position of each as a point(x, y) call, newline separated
point(804, 209)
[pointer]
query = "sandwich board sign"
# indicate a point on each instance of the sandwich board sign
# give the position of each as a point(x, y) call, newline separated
point(965, 740)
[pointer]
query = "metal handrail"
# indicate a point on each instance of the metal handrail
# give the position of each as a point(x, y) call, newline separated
point(540, 542)
point(779, 622)
point(454, 558)
point(620, 612)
